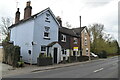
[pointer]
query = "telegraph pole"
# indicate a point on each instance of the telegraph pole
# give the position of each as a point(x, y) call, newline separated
point(80, 39)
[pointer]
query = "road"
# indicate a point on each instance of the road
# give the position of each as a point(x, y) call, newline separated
point(104, 68)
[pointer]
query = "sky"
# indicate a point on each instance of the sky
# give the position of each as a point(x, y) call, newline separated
point(91, 11)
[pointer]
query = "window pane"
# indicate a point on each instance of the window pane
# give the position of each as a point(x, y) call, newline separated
point(63, 38)
point(43, 48)
point(46, 34)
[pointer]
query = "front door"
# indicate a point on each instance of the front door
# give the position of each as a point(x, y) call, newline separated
point(55, 55)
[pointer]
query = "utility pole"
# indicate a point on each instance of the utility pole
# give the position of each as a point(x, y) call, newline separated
point(80, 39)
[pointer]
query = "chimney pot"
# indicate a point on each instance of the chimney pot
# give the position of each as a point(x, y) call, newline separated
point(59, 20)
point(27, 10)
point(17, 16)
point(28, 3)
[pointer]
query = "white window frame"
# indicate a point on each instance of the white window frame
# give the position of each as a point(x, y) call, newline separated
point(85, 42)
point(46, 36)
point(85, 32)
point(44, 47)
point(87, 51)
point(75, 41)
point(63, 38)
point(64, 52)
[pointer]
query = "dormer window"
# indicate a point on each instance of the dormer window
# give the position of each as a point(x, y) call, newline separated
point(63, 38)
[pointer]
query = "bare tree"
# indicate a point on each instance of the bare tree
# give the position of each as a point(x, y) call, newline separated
point(5, 23)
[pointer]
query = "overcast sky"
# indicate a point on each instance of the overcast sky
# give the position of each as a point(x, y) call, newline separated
point(92, 11)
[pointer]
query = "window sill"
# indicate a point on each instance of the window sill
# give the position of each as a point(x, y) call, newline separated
point(63, 41)
point(47, 38)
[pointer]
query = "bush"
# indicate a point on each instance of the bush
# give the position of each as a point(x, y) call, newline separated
point(20, 64)
point(44, 60)
point(102, 54)
point(83, 58)
point(12, 54)
point(80, 58)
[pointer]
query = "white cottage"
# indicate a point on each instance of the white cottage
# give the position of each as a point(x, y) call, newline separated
point(37, 34)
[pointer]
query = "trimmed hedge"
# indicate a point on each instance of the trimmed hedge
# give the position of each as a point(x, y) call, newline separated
point(12, 54)
point(44, 60)
point(80, 58)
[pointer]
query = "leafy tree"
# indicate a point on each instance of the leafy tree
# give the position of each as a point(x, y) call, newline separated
point(101, 41)
point(96, 33)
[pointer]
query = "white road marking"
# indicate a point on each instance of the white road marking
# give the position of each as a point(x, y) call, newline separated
point(98, 70)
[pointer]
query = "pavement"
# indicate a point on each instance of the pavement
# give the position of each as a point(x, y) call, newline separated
point(10, 71)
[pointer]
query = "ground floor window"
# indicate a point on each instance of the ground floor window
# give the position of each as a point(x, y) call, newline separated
point(64, 51)
point(43, 48)
point(86, 51)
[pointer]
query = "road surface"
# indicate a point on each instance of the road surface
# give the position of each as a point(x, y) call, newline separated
point(103, 68)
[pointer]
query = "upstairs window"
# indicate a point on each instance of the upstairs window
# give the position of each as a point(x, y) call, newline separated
point(43, 48)
point(63, 38)
point(46, 32)
point(75, 40)
point(47, 17)
point(47, 29)
point(85, 41)
point(85, 33)
point(46, 35)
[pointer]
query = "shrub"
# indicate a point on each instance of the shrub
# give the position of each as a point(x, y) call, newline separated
point(12, 54)
point(83, 58)
point(44, 60)
point(20, 64)
point(102, 54)
point(42, 55)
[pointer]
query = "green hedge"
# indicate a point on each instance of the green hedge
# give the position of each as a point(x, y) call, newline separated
point(12, 54)
point(102, 54)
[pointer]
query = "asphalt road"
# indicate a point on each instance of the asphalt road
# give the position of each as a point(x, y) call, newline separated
point(104, 68)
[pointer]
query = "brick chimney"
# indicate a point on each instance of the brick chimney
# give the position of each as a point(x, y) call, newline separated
point(17, 16)
point(27, 10)
point(59, 20)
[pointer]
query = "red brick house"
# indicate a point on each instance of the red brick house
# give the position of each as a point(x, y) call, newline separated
point(69, 39)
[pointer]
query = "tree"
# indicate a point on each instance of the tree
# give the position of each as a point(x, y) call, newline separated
point(101, 41)
point(5, 23)
point(96, 33)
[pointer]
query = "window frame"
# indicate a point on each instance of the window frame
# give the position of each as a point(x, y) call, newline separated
point(63, 38)
point(43, 48)
point(87, 50)
point(75, 40)
point(85, 41)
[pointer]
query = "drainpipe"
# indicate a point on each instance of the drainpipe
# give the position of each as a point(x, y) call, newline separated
point(80, 39)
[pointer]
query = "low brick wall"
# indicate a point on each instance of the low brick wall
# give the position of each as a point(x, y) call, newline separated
point(1, 54)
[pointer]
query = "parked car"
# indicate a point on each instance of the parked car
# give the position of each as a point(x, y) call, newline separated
point(94, 55)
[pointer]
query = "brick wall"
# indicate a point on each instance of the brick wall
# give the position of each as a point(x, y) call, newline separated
point(83, 42)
